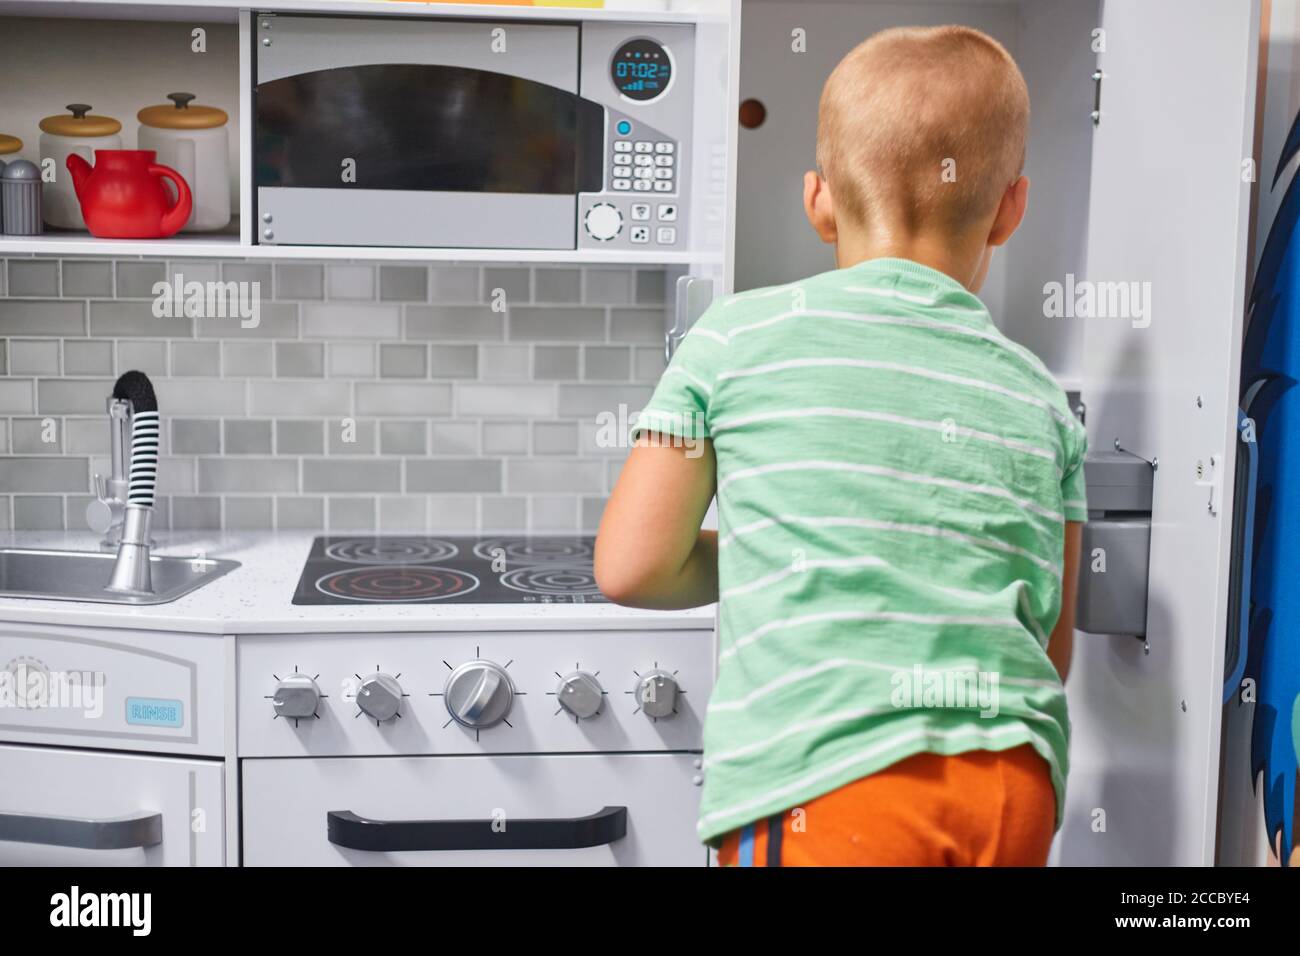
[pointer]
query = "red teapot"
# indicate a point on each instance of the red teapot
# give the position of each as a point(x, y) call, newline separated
point(123, 195)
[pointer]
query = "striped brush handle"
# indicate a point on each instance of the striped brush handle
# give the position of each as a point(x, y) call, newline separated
point(144, 458)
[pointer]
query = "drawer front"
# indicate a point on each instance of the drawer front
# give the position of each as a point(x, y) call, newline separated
point(103, 687)
point(402, 806)
point(421, 663)
point(93, 808)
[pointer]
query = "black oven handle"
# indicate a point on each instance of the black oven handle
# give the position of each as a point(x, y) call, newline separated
point(347, 829)
point(134, 831)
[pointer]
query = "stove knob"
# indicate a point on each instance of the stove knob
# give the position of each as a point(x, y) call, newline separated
point(296, 696)
point(603, 222)
point(479, 694)
point(656, 692)
point(580, 694)
point(379, 696)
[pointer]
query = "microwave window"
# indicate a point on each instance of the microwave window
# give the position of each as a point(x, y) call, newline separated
point(419, 127)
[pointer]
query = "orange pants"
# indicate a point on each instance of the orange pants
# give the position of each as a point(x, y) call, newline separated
point(978, 808)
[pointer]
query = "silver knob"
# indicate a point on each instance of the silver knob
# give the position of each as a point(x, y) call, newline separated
point(296, 696)
point(580, 694)
point(656, 693)
point(379, 696)
point(479, 694)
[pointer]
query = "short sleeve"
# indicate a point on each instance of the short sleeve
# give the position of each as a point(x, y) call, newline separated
point(680, 405)
point(1074, 491)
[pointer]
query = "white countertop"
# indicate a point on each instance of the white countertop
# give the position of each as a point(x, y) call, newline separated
point(256, 598)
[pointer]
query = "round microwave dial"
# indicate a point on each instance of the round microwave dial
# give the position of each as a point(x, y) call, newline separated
point(641, 69)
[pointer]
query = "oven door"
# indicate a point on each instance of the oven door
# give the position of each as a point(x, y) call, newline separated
point(397, 132)
point(559, 810)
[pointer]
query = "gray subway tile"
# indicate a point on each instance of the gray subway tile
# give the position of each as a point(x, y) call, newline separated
point(194, 513)
point(247, 437)
point(553, 513)
point(350, 281)
point(253, 359)
point(274, 320)
point(135, 280)
point(555, 362)
point(557, 323)
point(592, 510)
point(516, 401)
point(508, 282)
point(448, 513)
point(587, 400)
point(299, 437)
point(300, 359)
point(300, 513)
point(607, 286)
point(351, 360)
point(454, 361)
point(74, 511)
point(72, 396)
point(16, 395)
point(381, 398)
point(179, 396)
point(454, 284)
point(87, 357)
point(35, 436)
point(477, 475)
point(637, 325)
point(247, 474)
point(4, 358)
point(403, 361)
point(35, 277)
point(136, 318)
point(254, 514)
point(92, 278)
point(404, 283)
point(607, 363)
point(454, 322)
point(340, 475)
point(38, 513)
point(648, 364)
point(555, 438)
point(505, 438)
point(336, 320)
point(196, 358)
point(86, 436)
point(402, 514)
point(299, 398)
point(35, 317)
point(403, 438)
point(250, 272)
point(454, 438)
point(352, 514)
point(52, 474)
point(503, 513)
point(195, 436)
point(651, 286)
point(299, 280)
point(351, 437)
point(557, 285)
point(33, 357)
point(504, 362)
point(147, 357)
point(528, 475)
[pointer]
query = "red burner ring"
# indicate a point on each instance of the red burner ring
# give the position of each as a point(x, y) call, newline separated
point(395, 584)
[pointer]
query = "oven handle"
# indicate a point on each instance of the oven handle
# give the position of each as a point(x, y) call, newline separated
point(347, 829)
point(134, 831)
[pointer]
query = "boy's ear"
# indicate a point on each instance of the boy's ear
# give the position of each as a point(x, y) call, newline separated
point(819, 207)
point(1011, 212)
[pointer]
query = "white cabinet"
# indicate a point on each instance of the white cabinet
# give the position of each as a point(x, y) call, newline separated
point(91, 808)
point(588, 810)
point(1154, 198)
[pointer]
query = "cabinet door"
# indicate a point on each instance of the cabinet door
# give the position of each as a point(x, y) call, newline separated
point(69, 807)
point(1169, 211)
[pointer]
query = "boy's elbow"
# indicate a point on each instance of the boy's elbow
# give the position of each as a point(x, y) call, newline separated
point(620, 584)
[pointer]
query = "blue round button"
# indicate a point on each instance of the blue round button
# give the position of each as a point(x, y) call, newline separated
point(624, 127)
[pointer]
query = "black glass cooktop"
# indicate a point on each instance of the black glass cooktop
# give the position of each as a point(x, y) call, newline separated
point(408, 569)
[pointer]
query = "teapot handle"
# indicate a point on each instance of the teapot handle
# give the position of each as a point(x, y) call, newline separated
point(175, 217)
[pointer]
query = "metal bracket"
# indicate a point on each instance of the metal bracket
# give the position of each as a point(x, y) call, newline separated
point(1212, 480)
point(1096, 96)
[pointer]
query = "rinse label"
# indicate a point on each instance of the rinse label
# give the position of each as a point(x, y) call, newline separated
point(151, 712)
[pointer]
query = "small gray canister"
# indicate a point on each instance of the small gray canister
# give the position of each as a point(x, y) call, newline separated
point(20, 199)
point(8, 146)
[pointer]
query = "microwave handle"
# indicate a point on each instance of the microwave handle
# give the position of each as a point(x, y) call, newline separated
point(694, 294)
point(134, 831)
point(346, 829)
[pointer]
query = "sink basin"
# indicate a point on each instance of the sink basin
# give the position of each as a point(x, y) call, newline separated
point(81, 576)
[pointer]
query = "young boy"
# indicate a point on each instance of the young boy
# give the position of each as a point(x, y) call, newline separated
point(899, 490)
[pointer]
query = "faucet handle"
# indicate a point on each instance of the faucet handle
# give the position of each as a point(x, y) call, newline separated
point(99, 486)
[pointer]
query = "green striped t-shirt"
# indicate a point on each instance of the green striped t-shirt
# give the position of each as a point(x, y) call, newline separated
point(894, 478)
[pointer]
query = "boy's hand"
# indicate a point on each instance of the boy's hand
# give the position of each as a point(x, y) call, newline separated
point(650, 551)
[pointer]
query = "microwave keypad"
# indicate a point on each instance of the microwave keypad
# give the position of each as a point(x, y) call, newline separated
point(643, 165)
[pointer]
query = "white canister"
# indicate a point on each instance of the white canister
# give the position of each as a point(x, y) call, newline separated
point(193, 141)
point(81, 133)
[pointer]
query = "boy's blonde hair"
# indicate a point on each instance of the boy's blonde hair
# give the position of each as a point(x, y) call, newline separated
point(908, 106)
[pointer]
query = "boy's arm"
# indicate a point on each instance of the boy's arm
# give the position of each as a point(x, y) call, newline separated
point(650, 551)
point(1060, 646)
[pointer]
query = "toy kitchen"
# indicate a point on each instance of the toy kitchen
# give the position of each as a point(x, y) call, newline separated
point(310, 583)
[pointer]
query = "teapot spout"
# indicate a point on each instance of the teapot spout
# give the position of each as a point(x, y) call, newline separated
point(80, 170)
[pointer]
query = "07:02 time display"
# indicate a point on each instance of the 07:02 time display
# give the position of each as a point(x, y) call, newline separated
point(641, 69)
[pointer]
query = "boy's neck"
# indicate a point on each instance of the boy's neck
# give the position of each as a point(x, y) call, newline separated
point(962, 261)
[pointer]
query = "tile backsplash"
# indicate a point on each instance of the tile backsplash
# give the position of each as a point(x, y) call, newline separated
point(397, 397)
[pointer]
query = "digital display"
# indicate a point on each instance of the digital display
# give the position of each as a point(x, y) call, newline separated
point(641, 69)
